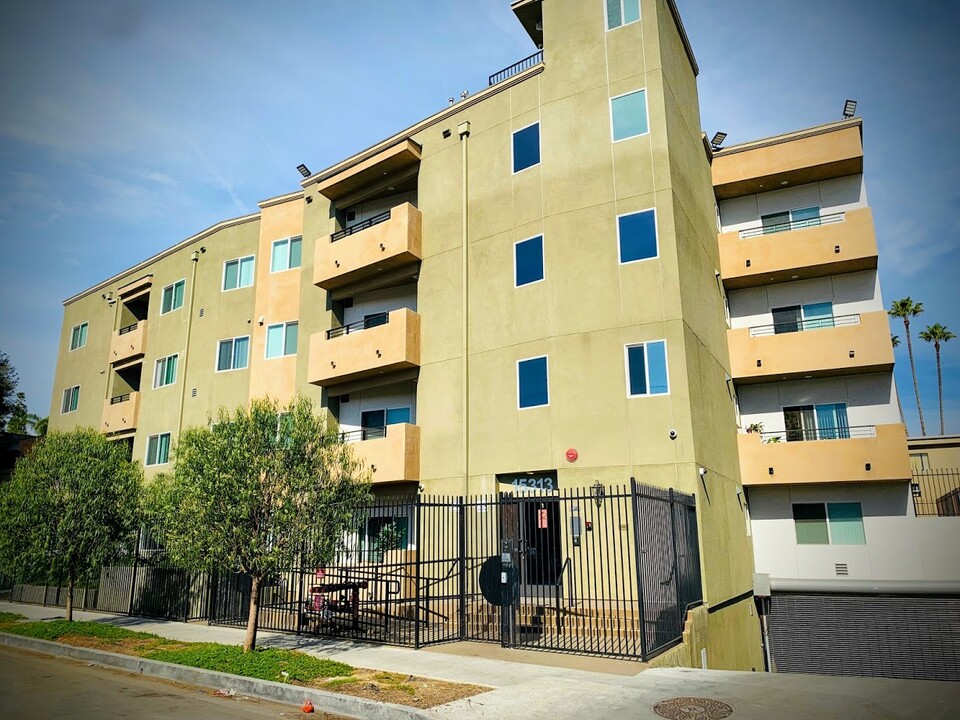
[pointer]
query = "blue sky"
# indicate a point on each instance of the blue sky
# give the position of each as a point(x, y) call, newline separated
point(126, 126)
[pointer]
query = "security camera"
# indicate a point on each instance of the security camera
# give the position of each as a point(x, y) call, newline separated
point(702, 471)
point(673, 434)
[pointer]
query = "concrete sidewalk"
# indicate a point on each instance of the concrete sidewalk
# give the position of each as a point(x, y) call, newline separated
point(588, 687)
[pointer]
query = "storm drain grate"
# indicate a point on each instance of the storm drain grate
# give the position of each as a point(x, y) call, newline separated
point(692, 708)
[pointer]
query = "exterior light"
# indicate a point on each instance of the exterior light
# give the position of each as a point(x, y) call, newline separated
point(718, 140)
point(915, 489)
point(849, 109)
point(303, 170)
point(599, 493)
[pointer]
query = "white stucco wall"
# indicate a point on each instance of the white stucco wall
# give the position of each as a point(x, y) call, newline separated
point(899, 545)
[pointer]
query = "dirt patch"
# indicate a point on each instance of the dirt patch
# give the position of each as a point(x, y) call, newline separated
point(400, 689)
point(125, 646)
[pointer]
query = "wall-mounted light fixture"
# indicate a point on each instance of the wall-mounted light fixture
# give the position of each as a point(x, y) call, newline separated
point(599, 492)
point(849, 109)
point(717, 140)
point(303, 170)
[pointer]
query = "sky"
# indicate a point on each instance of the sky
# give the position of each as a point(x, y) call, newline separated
point(127, 126)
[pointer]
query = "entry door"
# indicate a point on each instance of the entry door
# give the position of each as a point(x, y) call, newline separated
point(534, 526)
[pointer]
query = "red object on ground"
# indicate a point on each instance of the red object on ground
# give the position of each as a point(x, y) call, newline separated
point(307, 707)
point(572, 455)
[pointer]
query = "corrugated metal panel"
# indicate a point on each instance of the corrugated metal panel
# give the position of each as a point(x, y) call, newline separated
point(874, 635)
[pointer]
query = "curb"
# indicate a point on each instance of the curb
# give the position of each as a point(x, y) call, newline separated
point(323, 700)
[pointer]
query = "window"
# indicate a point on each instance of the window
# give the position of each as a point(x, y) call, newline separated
point(233, 353)
point(165, 371)
point(528, 261)
point(637, 236)
point(647, 369)
point(622, 12)
point(384, 533)
point(172, 297)
point(282, 339)
point(628, 115)
point(829, 523)
point(286, 254)
point(238, 273)
point(532, 382)
point(794, 318)
point(158, 449)
point(383, 417)
point(816, 422)
point(920, 461)
point(790, 220)
point(78, 336)
point(71, 398)
point(526, 147)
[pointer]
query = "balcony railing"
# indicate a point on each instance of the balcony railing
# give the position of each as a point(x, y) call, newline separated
point(117, 399)
point(794, 225)
point(517, 67)
point(802, 325)
point(128, 328)
point(367, 433)
point(368, 322)
point(368, 223)
point(838, 433)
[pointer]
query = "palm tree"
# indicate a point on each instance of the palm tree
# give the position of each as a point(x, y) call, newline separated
point(938, 334)
point(895, 341)
point(906, 309)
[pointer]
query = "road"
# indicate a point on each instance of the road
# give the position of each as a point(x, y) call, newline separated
point(41, 687)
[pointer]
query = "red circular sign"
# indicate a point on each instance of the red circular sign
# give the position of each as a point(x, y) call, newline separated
point(572, 455)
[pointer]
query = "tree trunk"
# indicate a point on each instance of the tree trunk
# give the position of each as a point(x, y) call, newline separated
point(913, 371)
point(70, 599)
point(936, 347)
point(250, 641)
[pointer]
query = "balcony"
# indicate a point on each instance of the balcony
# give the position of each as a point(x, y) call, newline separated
point(838, 345)
point(120, 414)
point(836, 243)
point(392, 453)
point(374, 248)
point(517, 68)
point(128, 344)
point(869, 454)
point(379, 344)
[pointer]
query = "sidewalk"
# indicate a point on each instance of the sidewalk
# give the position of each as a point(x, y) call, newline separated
point(607, 690)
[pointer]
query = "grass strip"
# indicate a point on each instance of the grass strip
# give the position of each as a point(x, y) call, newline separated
point(56, 629)
point(9, 617)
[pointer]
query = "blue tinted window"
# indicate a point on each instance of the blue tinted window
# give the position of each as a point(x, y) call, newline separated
point(621, 12)
point(629, 115)
point(398, 415)
point(638, 236)
point(647, 368)
point(532, 382)
point(526, 147)
point(528, 261)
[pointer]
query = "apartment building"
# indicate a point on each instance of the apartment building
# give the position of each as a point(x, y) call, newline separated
point(857, 584)
point(519, 290)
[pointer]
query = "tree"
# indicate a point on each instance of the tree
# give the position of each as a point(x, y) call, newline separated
point(21, 420)
point(895, 341)
point(938, 334)
point(259, 490)
point(10, 399)
point(906, 309)
point(72, 505)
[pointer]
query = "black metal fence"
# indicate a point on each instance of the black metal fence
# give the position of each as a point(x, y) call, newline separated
point(936, 492)
point(516, 68)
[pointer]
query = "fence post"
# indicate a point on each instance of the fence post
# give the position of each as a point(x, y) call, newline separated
point(462, 542)
point(676, 560)
point(416, 584)
point(300, 609)
point(133, 573)
point(637, 550)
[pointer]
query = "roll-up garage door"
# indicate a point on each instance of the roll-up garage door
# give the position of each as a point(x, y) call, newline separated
point(877, 635)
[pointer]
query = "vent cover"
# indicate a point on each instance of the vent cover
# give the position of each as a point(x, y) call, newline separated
point(344, 399)
point(201, 312)
point(193, 393)
point(842, 569)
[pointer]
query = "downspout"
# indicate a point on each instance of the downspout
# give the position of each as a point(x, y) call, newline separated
point(194, 258)
point(463, 129)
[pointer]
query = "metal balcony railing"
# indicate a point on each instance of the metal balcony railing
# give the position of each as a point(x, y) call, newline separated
point(794, 225)
point(117, 399)
point(368, 322)
point(517, 67)
point(802, 434)
point(128, 328)
point(368, 223)
point(802, 325)
point(368, 433)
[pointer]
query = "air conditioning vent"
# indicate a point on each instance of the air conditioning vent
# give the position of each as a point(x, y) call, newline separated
point(193, 393)
point(201, 312)
point(842, 570)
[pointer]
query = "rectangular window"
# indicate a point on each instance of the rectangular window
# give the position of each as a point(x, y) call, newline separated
point(920, 461)
point(78, 336)
point(71, 398)
point(647, 369)
point(794, 318)
point(398, 415)
point(829, 523)
point(528, 261)
point(790, 220)
point(622, 12)
point(637, 236)
point(817, 315)
point(165, 371)
point(628, 115)
point(373, 418)
point(816, 422)
point(172, 297)
point(233, 354)
point(532, 382)
point(526, 147)
point(286, 254)
point(282, 339)
point(238, 273)
point(158, 449)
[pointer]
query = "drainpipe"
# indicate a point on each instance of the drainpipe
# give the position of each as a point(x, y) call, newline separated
point(463, 129)
point(194, 258)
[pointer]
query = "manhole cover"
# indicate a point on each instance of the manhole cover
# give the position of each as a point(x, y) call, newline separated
point(692, 708)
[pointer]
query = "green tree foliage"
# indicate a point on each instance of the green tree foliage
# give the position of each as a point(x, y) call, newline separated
point(938, 334)
point(73, 505)
point(906, 308)
point(260, 490)
point(11, 401)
